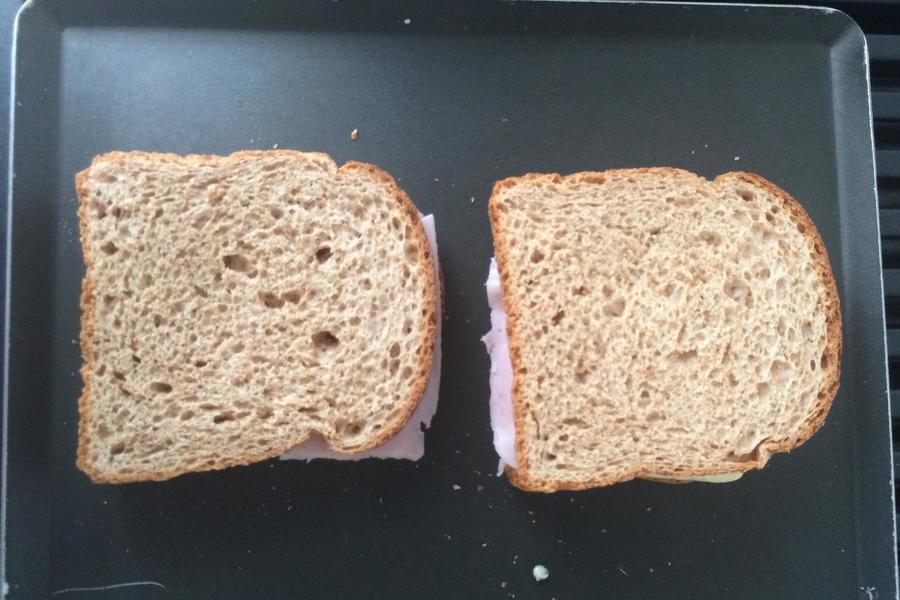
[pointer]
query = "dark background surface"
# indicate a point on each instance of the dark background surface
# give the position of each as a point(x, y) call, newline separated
point(447, 110)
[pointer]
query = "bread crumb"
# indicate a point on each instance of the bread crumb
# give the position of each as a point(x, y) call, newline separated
point(472, 200)
point(354, 135)
point(737, 158)
point(274, 146)
point(457, 487)
point(503, 584)
point(407, 21)
point(540, 572)
point(479, 487)
point(623, 572)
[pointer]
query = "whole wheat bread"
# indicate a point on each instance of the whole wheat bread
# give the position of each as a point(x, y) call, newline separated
point(234, 306)
point(660, 324)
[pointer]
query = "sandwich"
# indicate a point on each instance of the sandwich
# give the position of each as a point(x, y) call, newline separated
point(648, 323)
point(238, 308)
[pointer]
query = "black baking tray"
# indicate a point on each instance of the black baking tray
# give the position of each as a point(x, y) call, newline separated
point(448, 97)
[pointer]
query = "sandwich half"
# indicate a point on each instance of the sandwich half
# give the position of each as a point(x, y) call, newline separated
point(235, 308)
point(648, 323)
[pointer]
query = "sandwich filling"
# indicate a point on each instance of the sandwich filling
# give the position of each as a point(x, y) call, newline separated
point(501, 374)
point(409, 443)
point(502, 421)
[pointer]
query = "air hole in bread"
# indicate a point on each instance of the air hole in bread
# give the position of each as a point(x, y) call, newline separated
point(395, 350)
point(614, 308)
point(557, 318)
point(161, 387)
point(825, 361)
point(292, 296)
point(264, 412)
point(324, 340)
point(779, 370)
point(237, 262)
point(581, 372)
point(763, 232)
point(746, 195)
point(763, 389)
point(684, 201)
point(711, 237)
point(812, 365)
point(187, 415)
point(737, 290)
point(682, 357)
point(367, 284)
point(406, 373)
point(117, 448)
point(109, 248)
point(412, 252)
point(762, 272)
point(807, 330)
point(580, 291)
point(119, 375)
point(276, 212)
point(644, 398)
point(99, 209)
point(654, 416)
point(323, 254)
point(575, 422)
point(537, 256)
point(270, 300)
point(223, 417)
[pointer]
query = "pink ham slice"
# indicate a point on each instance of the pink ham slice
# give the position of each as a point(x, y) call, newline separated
point(501, 374)
point(409, 444)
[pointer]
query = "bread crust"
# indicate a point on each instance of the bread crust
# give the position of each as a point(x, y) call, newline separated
point(521, 476)
point(88, 300)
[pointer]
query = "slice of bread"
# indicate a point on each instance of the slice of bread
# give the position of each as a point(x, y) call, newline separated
point(235, 306)
point(660, 324)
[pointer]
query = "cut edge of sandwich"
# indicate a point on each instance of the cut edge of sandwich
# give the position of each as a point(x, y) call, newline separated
point(88, 299)
point(521, 476)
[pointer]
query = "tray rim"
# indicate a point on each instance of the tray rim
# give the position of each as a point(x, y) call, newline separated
point(31, 5)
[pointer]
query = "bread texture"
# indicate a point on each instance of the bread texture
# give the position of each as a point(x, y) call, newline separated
point(232, 307)
point(660, 324)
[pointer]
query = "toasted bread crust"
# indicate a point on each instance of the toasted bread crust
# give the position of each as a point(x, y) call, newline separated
point(521, 476)
point(88, 300)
